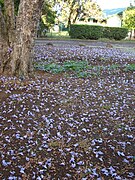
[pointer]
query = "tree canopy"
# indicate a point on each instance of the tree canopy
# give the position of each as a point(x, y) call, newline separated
point(69, 11)
point(49, 14)
point(129, 18)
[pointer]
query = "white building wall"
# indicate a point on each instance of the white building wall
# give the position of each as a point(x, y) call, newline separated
point(114, 21)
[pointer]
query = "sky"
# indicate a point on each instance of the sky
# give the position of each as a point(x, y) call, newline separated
point(110, 4)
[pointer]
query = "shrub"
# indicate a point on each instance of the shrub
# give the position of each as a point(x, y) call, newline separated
point(116, 33)
point(96, 32)
point(85, 31)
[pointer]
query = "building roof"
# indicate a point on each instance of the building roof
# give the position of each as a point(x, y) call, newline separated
point(111, 12)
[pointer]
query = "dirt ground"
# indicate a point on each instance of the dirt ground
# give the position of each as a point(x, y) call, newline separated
point(61, 127)
point(91, 43)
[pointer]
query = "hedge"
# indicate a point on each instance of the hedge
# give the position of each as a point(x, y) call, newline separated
point(85, 31)
point(116, 33)
point(96, 32)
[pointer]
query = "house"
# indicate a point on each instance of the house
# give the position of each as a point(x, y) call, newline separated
point(114, 17)
point(114, 21)
point(111, 18)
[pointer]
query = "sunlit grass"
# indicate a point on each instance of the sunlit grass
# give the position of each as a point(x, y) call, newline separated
point(60, 35)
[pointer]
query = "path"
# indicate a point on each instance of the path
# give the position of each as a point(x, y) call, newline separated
point(86, 42)
point(124, 46)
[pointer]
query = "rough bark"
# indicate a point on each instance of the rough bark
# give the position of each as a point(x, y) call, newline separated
point(4, 55)
point(20, 35)
point(10, 21)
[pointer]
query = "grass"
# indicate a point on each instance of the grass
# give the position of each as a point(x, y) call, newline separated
point(65, 35)
point(81, 69)
point(129, 67)
point(60, 35)
point(66, 67)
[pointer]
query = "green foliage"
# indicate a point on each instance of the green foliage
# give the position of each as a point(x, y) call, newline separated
point(75, 65)
point(42, 29)
point(60, 35)
point(113, 67)
point(67, 66)
point(78, 68)
point(47, 19)
point(1, 4)
point(72, 10)
point(16, 2)
point(83, 74)
point(129, 18)
point(130, 67)
point(81, 69)
point(49, 14)
point(85, 32)
point(116, 33)
point(16, 5)
point(96, 32)
point(53, 68)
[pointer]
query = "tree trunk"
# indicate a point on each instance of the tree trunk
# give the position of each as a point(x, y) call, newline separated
point(4, 53)
point(20, 35)
point(133, 34)
point(70, 14)
point(76, 16)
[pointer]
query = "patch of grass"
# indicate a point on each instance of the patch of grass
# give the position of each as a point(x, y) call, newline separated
point(83, 74)
point(54, 68)
point(129, 67)
point(76, 66)
point(60, 35)
point(81, 69)
point(113, 67)
point(104, 40)
point(82, 44)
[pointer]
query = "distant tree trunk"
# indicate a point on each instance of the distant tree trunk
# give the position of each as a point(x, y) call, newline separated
point(70, 14)
point(7, 30)
point(17, 35)
point(77, 14)
point(134, 34)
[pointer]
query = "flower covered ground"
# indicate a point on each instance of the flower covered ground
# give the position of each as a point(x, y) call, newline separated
point(77, 123)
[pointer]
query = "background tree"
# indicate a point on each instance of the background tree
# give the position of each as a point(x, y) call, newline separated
point(1, 3)
point(72, 10)
point(129, 19)
point(48, 17)
point(18, 26)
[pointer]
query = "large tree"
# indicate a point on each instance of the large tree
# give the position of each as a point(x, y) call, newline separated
point(72, 10)
point(129, 19)
point(17, 32)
